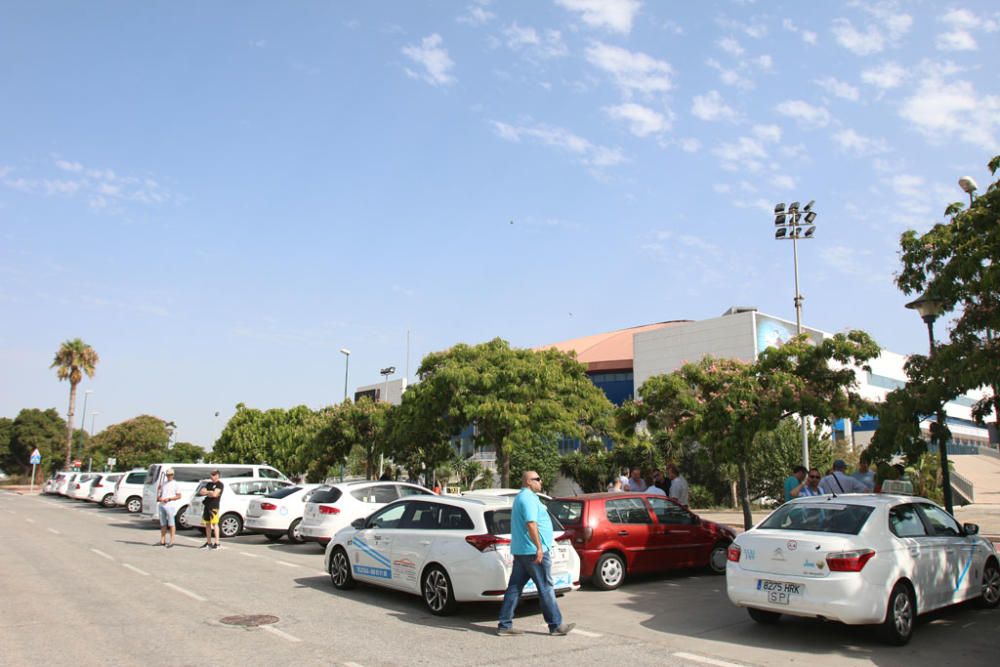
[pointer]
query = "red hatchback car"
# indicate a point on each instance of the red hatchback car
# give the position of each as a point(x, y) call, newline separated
point(619, 534)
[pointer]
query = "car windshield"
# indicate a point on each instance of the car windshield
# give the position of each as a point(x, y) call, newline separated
point(825, 518)
point(325, 495)
point(567, 511)
point(286, 491)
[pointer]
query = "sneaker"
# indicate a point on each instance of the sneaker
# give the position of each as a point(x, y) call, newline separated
point(205, 546)
point(562, 630)
point(215, 546)
point(170, 546)
point(509, 632)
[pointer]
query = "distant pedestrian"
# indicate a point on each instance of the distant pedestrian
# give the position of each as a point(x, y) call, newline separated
point(812, 486)
point(838, 481)
point(795, 481)
point(679, 489)
point(168, 496)
point(661, 482)
point(385, 476)
point(211, 492)
point(636, 484)
point(616, 486)
point(531, 541)
point(864, 475)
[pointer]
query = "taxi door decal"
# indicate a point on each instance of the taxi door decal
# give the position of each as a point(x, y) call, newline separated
point(365, 570)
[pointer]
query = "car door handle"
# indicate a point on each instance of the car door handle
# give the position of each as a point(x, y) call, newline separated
point(623, 533)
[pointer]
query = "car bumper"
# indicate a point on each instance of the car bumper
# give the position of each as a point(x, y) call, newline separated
point(485, 578)
point(267, 525)
point(314, 533)
point(845, 596)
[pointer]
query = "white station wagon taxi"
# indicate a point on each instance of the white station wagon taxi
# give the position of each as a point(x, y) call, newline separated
point(445, 549)
point(861, 559)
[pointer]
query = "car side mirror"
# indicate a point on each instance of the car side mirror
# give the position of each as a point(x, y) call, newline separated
point(358, 524)
point(971, 528)
point(695, 520)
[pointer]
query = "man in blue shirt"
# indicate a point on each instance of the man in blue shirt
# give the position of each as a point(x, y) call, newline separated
point(530, 541)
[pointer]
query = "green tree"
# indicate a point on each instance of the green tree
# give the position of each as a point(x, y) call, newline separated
point(513, 397)
point(539, 455)
point(420, 433)
point(775, 453)
point(6, 436)
point(958, 263)
point(73, 359)
point(186, 452)
point(271, 436)
point(468, 471)
point(41, 429)
point(722, 404)
point(135, 443)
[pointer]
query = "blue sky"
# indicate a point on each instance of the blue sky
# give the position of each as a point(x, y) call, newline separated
point(219, 196)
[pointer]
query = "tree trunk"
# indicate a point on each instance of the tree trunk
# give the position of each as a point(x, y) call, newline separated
point(745, 495)
point(69, 424)
point(503, 463)
point(734, 494)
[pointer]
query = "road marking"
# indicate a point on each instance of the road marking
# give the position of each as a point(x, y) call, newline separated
point(706, 661)
point(280, 633)
point(184, 591)
point(30, 520)
point(249, 555)
point(135, 569)
point(585, 633)
point(285, 563)
point(102, 554)
point(54, 531)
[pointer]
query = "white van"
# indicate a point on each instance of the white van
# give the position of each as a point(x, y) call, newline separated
point(187, 476)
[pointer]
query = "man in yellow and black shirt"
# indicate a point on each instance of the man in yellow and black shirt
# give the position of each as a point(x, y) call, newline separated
point(210, 515)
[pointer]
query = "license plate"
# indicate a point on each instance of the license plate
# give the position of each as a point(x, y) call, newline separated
point(560, 555)
point(562, 580)
point(779, 592)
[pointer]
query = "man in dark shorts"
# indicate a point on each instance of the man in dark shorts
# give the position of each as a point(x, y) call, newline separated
point(210, 515)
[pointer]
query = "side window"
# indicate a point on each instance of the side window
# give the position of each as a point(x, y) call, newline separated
point(627, 510)
point(135, 478)
point(669, 513)
point(421, 516)
point(389, 517)
point(455, 518)
point(376, 494)
point(905, 522)
point(405, 491)
point(941, 523)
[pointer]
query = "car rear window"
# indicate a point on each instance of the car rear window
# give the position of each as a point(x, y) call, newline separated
point(498, 522)
point(567, 511)
point(285, 491)
point(825, 518)
point(326, 495)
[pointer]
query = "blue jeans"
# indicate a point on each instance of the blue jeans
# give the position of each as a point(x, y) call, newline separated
point(526, 568)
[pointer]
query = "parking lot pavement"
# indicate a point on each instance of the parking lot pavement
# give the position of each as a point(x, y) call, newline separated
point(89, 581)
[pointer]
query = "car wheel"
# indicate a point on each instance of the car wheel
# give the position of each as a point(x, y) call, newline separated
point(763, 616)
point(230, 525)
point(133, 505)
point(181, 520)
point(108, 500)
point(295, 532)
point(273, 538)
point(340, 570)
point(900, 615)
point(609, 573)
point(718, 558)
point(991, 586)
point(438, 594)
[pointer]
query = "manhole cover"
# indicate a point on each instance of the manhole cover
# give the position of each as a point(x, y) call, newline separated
point(250, 620)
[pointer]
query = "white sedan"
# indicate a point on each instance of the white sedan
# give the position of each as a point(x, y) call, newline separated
point(279, 513)
point(446, 549)
point(861, 559)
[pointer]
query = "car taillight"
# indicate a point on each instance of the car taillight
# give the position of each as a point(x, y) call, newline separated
point(849, 561)
point(565, 537)
point(97, 485)
point(78, 486)
point(486, 542)
point(733, 553)
point(324, 509)
point(268, 506)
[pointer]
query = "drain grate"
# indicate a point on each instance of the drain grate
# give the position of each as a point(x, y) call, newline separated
point(250, 620)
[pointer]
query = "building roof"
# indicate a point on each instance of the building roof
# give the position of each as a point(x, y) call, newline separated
point(611, 351)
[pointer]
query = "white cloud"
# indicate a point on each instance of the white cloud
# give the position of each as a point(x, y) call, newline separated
point(956, 40)
point(962, 23)
point(907, 185)
point(102, 188)
point(642, 121)
point(851, 142)
point(730, 77)
point(838, 88)
point(614, 15)
point(518, 36)
point(587, 152)
point(434, 59)
point(476, 15)
point(944, 109)
point(889, 27)
point(632, 71)
point(65, 165)
point(886, 75)
point(764, 62)
point(712, 107)
point(768, 133)
point(808, 36)
point(690, 145)
point(783, 181)
point(731, 46)
point(857, 42)
point(550, 45)
point(804, 113)
point(745, 153)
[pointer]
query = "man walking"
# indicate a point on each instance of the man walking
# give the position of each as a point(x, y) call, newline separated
point(168, 496)
point(210, 512)
point(838, 481)
point(531, 540)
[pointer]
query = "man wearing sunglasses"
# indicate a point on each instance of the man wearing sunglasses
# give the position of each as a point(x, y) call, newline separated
point(531, 540)
point(812, 486)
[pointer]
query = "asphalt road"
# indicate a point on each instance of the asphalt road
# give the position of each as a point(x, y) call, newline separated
point(84, 585)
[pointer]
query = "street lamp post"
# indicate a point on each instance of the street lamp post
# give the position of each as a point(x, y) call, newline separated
point(92, 416)
point(83, 422)
point(968, 184)
point(347, 367)
point(386, 372)
point(796, 223)
point(930, 309)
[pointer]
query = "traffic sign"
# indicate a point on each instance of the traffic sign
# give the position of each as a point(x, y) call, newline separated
point(36, 457)
point(77, 463)
point(112, 461)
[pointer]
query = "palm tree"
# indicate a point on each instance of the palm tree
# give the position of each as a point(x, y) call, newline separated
point(73, 359)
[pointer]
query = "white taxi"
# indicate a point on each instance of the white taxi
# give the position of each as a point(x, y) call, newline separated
point(279, 513)
point(446, 549)
point(861, 559)
point(237, 492)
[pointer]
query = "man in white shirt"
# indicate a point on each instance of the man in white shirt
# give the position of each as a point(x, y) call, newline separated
point(168, 496)
point(679, 490)
point(636, 484)
point(838, 481)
